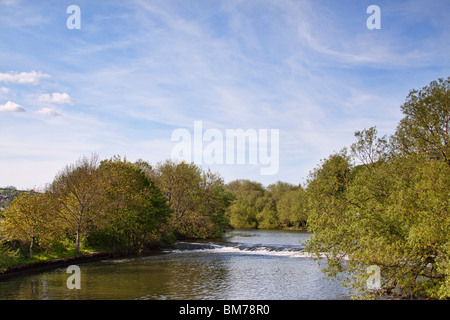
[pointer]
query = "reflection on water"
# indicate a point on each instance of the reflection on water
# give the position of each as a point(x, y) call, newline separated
point(246, 265)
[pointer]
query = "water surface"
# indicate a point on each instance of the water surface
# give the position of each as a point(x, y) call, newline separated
point(244, 265)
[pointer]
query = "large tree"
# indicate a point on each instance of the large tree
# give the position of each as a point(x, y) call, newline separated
point(247, 204)
point(387, 205)
point(425, 127)
point(76, 194)
point(133, 209)
point(198, 198)
point(28, 220)
point(291, 208)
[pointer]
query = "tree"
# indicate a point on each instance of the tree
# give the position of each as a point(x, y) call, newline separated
point(426, 127)
point(248, 202)
point(278, 189)
point(198, 199)
point(268, 217)
point(76, 196)
point(133, 209)
point(429, 232)
point(391, 212)
point(369, 149)
point(401, 223)
point(327, 210)
point(28, 220)
point(216, 199)
point(179, 183)
point(291, 208)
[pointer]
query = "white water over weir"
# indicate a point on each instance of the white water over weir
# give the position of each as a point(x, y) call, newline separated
point(244, 249)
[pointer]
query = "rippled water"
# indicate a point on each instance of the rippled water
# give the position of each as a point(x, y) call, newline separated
point(245, 265)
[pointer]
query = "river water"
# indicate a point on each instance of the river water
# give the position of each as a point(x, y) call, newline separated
point(250, 265)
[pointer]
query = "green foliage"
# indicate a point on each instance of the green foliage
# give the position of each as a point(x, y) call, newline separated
point(279, 205)
point(113, 206)
point(267, 218)
point(198, 199)
point(76, 197)
point(28, 220)
point(392, 209)
point(247, 204)
point(292, 208)
point(426, 125)
point(8, 257)
point(133, 210)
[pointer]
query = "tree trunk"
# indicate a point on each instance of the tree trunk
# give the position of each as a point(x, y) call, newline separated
point(77, 241)
point(31, 248)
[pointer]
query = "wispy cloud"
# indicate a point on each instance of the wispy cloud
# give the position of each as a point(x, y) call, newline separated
point(48, 112)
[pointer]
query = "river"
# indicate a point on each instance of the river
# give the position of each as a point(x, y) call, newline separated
point(249, 264)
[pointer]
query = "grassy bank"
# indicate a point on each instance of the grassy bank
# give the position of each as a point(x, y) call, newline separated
point(49, 264)
point(10, 258)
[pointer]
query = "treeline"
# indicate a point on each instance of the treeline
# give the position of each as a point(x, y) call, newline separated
point(115, 205)
point(385, 202)
point(280, 205)
point(121, 206)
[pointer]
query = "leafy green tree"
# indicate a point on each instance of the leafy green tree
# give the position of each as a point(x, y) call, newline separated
point(248, 202)
point(292, 208)
point(402, 221)
point(429, 233)
point(133, 210)
point(179, 183)
point(425, 127)
point(268, 217)
point(198, 199)
point(28, 220)
point(327, 210)
point(278, 189)
point(76, 192)
point(369, 149)
point(216, 199)
point(391, 212)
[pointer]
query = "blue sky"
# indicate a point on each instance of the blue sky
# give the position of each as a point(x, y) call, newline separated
point(138, 70)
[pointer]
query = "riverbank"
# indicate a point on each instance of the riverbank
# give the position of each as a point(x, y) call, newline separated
point(32, 267)
point(50, 264)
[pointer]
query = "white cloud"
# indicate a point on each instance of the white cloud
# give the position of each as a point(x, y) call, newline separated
point(58, 98)
point(4, 90)
point(32, 77)
point(48, 112)
point(11, 107)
